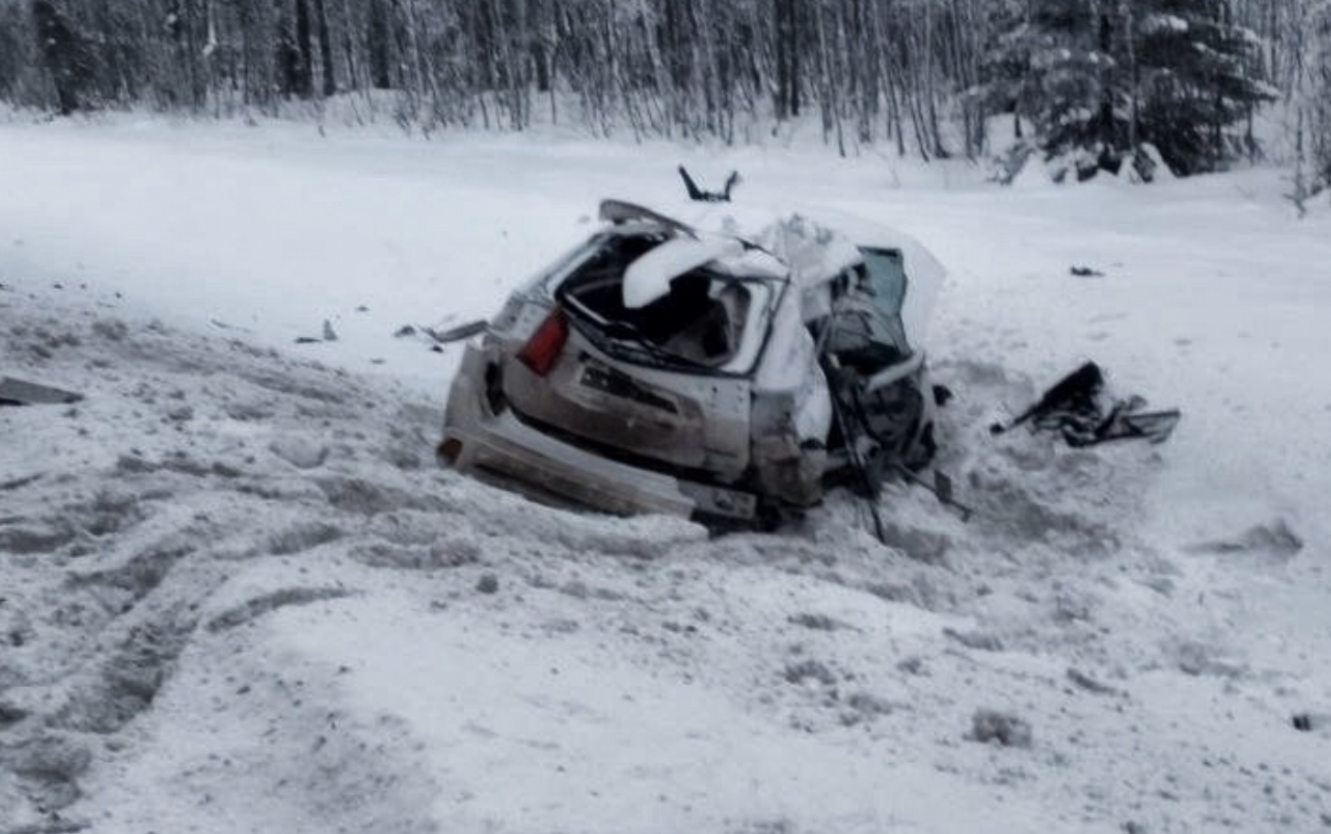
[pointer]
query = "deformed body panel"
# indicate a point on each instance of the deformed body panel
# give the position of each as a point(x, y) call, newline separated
point(659, 368)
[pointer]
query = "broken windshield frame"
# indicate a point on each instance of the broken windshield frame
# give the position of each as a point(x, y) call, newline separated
point(888, 284)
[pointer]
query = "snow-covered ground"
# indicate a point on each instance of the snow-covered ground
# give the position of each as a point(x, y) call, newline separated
point(236, 595)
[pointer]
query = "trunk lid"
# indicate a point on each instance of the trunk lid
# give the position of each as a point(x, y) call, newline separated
point(659, 418)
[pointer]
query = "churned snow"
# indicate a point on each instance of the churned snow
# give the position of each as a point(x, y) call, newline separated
point(237, 595)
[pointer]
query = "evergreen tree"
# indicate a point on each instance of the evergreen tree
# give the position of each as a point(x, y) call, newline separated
point(1194, 71)
point(1077, 102)
point(1100, 78)
point(1009, 85)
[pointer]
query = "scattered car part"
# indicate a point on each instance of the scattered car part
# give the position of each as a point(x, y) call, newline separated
point(455, 334)
point(1077, 408)
point(327, 334)
point(698, 195)
point(21, 392)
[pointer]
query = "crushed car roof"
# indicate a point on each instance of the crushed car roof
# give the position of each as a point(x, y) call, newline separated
point(815, 242)
point(828, 228)
point(648, 278)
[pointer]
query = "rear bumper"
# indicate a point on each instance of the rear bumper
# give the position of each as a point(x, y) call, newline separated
point(502, 448)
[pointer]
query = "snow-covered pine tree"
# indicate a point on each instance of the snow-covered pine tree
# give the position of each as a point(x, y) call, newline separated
point(1030, 73)
point(1195, 75)
point(1059, 67)
point(1009, 86)
point(1102, 78)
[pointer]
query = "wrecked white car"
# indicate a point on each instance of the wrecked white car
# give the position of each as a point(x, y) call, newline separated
point(661, 367)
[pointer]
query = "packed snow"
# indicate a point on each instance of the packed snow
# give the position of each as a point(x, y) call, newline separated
point(238, 595)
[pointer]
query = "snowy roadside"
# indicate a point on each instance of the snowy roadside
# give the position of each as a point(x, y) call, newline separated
point(238, 596)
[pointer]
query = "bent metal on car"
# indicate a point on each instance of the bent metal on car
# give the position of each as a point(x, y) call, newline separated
point(663, 368)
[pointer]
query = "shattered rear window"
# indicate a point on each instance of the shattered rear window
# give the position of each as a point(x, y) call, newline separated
point(705, 323)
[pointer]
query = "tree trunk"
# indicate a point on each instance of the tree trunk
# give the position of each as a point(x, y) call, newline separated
point(1134, 116)
point(354, 79)
point(325, 49)
point(305, 44)
point(1105, 117)
point(379, 35)
point(61, 49)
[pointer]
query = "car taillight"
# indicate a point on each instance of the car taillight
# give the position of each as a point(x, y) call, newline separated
point(543, 348)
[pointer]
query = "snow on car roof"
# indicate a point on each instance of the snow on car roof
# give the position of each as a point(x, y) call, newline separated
point(723, 251)
point(817, 243)
point(648, 278)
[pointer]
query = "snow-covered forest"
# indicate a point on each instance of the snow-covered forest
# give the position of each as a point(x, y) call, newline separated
point(1094, 82)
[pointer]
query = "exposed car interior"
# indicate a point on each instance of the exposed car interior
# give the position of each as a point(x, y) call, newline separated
point(660, 367)
point(700, 321)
